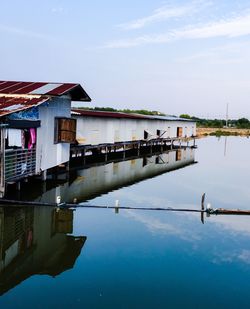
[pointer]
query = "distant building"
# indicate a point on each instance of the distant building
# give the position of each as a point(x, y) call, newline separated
point(36, 127)
point(96, 127)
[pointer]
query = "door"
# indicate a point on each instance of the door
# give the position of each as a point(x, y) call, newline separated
point(179, 131)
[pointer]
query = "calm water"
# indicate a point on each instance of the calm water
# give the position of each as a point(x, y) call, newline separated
point(95, 258)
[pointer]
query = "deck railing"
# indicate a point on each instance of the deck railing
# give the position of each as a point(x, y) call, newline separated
point(19, 163)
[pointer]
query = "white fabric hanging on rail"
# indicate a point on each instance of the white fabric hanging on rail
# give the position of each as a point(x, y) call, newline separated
point(14, 137)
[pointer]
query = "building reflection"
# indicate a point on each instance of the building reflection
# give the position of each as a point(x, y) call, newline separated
point(99, 178)
point(35, 240)
point(38, 240)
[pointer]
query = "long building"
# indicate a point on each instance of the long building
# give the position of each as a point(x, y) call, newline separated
point(94, 127)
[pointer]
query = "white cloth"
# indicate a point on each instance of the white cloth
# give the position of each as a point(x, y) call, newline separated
point(15, 137)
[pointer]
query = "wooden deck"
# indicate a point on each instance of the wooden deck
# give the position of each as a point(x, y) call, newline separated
point(78, 151)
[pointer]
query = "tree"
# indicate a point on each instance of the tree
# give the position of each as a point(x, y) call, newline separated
point(186, 116)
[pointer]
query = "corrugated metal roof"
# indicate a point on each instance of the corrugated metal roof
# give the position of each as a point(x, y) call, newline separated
point(10, 104)
point(76, 91)
point(170, 118)
point(92, 113)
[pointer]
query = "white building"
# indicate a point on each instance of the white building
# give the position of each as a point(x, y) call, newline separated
point(94, 127)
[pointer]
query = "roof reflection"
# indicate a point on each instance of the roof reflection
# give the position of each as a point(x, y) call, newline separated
point(35, 240)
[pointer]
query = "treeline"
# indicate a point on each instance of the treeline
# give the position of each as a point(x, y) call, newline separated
point(242, 123)
point(128, 111)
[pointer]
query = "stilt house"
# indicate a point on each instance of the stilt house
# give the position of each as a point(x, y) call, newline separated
point(36, 127)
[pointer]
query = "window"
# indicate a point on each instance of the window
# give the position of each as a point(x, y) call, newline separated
point(65, 130)
point(160, 133)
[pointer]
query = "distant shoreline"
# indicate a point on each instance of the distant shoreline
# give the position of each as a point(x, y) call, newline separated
point(202, 132)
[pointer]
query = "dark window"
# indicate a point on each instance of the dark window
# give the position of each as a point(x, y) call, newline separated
point(145, 134)
point(65, 130)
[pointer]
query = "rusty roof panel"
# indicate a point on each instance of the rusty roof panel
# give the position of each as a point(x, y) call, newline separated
point(62, 89)
point(5, 85)
point(29, 88)
point(93, 113)
point(9, 105)
point(76, 92)
point(15, 87)
point(83, 112)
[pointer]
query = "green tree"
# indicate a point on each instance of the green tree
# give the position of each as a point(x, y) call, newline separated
point(186, 116)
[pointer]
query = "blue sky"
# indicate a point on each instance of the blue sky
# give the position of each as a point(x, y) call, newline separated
point(173, 56)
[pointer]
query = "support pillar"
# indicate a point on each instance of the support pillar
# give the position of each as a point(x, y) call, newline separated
point(44, 175)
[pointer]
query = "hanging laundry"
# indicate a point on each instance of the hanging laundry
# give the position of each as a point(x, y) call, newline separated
point(23, 139)
point(14, 137)
point(32, 139)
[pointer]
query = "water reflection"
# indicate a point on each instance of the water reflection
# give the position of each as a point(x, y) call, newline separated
point(139, 259)
point(35, 240)
point(97, 179)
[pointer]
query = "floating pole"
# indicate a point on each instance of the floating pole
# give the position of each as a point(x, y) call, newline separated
point(117, 205)
point(222, 211)
point(202, 207)
point(6, 202)
point(209, 210)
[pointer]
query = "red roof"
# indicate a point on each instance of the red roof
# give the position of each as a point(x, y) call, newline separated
point(9, 105)
point(83, 112)
point(76, 91)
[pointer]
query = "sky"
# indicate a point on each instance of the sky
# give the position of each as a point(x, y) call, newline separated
point(172, 56)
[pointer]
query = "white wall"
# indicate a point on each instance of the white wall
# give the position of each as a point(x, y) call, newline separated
point(50, 154)
point(97, 130)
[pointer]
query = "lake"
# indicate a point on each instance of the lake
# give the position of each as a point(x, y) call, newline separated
point(98, 258)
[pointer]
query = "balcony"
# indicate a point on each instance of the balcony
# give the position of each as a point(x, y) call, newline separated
point(19, 163)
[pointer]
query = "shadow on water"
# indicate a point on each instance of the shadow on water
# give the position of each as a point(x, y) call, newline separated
point(35, 240)
point(97, 178)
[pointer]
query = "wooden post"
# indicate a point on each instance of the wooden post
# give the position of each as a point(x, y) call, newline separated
point(2, 162)
point(67, 166)
point(18, 185)
point(44, 175)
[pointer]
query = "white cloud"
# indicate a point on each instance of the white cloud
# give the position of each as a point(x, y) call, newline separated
point(23, 32)
point(57, 10)
point(156, 226)
point(245, 256)
point(165, 13)
point(242, 256)
point(230, 28)
point(235, 53)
